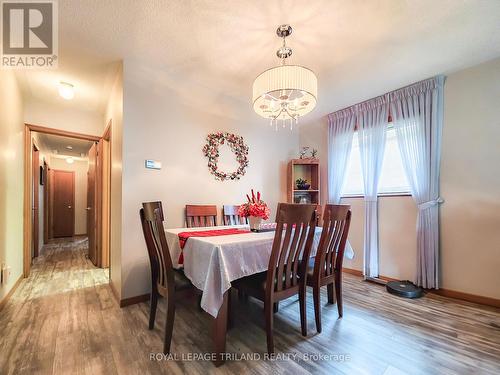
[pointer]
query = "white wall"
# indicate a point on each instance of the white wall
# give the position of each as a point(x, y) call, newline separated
point(161, 123)
point(80, 167)
point(470, 185)
point(63, 117)
point(11, 178)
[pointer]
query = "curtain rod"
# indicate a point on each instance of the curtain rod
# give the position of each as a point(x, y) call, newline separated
point(387, 93)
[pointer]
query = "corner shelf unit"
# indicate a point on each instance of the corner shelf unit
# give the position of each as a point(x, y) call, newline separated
point(307, 169)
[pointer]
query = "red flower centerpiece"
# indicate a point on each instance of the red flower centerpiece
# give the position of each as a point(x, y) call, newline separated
point(255, 209)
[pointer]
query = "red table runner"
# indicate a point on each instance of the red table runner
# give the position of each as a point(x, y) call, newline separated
point(183, 236)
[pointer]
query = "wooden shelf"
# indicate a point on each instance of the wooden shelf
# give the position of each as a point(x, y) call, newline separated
point(307, 169)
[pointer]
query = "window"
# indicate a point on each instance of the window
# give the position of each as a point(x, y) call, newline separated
point(393, 177)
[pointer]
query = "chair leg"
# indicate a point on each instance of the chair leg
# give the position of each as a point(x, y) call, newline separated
point(276, 307)
point(269, 326)
point(317, 306)
point(169, 325)
point(338, 294)
point(331, 297)
point(229, 311)
point(241, 295)
point(199, 302)
point(303, 316)
point(152, 308)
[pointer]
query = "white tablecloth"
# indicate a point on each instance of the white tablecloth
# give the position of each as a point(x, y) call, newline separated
point(211, 263)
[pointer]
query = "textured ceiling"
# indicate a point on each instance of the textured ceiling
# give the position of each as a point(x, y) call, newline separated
point(216, 48)
point(51, 143)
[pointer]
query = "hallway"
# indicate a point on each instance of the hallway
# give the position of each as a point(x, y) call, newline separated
point(52, 313)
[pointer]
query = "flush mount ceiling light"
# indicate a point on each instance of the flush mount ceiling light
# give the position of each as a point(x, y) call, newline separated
point(69, 147)
point(285, 92)
point(66, 90)
point(70, 160)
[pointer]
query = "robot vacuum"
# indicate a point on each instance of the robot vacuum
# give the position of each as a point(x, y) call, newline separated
point(405, 289)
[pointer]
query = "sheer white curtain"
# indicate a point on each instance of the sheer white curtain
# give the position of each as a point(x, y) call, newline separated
point(417, 113)
point(372, 117)
point(340, 133)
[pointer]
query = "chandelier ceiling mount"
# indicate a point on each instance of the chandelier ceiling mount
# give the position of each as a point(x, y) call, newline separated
point(285, 92)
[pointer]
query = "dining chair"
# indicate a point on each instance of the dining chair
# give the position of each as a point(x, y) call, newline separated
point(230, 215)
point(318, 213)
point(165, 280)
point(326, 267)
point(286, 274)
point(201, 215)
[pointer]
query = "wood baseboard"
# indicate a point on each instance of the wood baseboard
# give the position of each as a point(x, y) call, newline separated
point(352, 271)
point(387, 278)
point(133, 300)
point(4, 301)
point(474, 298)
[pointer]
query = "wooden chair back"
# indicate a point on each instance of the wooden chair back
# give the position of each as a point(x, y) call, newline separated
point(162, 271)
point(318, 213)
point(296, 224)
point(231, 217)
point(330, 254)
point(201, 216)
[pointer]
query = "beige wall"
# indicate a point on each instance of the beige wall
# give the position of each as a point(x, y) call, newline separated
point(63, 117)
point(11, 178)
point(80, 167)
point(114, 113)
point(470, 185)
point(161, 123)
point(470, 181)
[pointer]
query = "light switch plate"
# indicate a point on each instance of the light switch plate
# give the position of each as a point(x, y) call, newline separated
point(153, 164)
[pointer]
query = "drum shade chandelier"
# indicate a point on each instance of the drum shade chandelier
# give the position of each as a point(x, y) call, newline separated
point(286, 92)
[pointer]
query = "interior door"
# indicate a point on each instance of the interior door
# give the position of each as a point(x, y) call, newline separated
point(35, 212)
point(91, 204)
point(63, 215)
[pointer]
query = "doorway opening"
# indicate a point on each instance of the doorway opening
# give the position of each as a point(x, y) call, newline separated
point(67, 191)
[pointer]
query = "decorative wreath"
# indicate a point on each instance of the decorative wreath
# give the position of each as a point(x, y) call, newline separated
point(211, 151)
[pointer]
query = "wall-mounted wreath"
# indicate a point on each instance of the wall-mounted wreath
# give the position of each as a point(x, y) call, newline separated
point(236, 144)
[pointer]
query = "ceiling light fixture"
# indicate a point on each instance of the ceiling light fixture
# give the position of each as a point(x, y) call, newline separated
point(70, 160)
point(285, 92)
point(66, 90)
point(69, 147)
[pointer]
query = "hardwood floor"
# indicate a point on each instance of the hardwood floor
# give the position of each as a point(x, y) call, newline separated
point(65, 320)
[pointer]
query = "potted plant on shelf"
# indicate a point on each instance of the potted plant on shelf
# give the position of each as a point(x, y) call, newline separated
point(256, 210)
point(302, 184)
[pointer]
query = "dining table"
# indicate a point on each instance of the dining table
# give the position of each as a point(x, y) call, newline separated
point(211, 263)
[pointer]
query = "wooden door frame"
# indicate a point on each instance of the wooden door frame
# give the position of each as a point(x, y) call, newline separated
point(96, 209)
point(73, 200)
point(35, 203)
point(104, 256)
point(46, 188)
point(28, 165)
